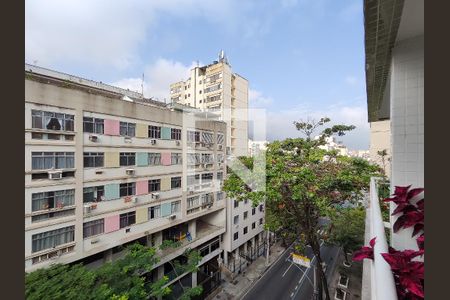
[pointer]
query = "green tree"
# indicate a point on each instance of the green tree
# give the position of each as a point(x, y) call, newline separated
point(121, 279)
point(303, 183)
point(347, 228)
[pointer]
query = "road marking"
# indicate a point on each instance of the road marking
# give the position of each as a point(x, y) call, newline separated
point(292, 294)
point(286, 270)
point(296, 287)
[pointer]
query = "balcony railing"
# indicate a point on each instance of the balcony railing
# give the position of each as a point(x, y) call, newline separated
point(378, 281)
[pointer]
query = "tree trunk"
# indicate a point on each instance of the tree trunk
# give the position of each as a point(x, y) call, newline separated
point(321, 275)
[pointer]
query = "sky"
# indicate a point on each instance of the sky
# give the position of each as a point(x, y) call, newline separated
point(302, 58)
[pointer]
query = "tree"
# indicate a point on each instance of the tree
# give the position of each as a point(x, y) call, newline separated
point(303, 183)
point(347, 229)
point(121, 279)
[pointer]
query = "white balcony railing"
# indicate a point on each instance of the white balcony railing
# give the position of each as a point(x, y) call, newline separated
point(378, 281)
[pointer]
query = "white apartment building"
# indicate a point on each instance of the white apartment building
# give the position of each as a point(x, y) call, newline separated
point(216, 87)
point(332, 144)
point(255, 147)
point(394, 45)
point(103, 169)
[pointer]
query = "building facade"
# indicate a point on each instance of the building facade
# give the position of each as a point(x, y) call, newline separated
point(215, 87)
point(103, 170)
point(380, 140)
point(255, 147)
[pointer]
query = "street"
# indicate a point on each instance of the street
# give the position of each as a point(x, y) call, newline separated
point(285, 280)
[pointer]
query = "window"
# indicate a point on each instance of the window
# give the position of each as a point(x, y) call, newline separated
point(193, 201)
point(193, 136)
point(260, 221)
point(219, 196)
point(52, 238)
point(214, 77)
point(207, 158)
point(261, 207)
point(93, 228)
point(154, 159)
point(193, 179)
point(175, 182)
point(51, 120)
point(52, 160)
point(54, 199)
point(175, 207)
point(220, 158)
point(93, 159)
point(127, 219)
point(212, 98)
point(245, 215)
point(175, 134)
point(235, 236)
point(127, 189)
point(154, 185)
point(207, 177)
point(253, 210)
point(212, 88)
point(154, 132)
point(93, 193)
point(236, 220)
point(219, 176)
point(253, 225)
point(207, 199)
point(220, 138)
point(245, 201)
point(52, 215)
point(176, 158)
point(154, 212)
point(127, 158)
point(193, 158)
point(207, 137)
point(245, 229)
point(236, 204)
point(93, 125)
point(127, 129)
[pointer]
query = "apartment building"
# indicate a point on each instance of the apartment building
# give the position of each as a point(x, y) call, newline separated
point(104, 169)
point(215, 87)
point(256, 147)
point(394, 45)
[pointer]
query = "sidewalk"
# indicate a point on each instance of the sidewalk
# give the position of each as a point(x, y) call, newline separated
point(236, 288)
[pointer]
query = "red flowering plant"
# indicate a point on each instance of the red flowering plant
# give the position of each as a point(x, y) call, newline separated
point(408, 273)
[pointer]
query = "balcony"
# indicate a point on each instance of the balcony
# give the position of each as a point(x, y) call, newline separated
point(378, 281)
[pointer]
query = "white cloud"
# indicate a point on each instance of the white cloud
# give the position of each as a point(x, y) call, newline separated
point(256, 99)
point(280, 124)
point(157, 78)
point(351, 80)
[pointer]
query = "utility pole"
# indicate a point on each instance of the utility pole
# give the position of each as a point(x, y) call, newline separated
point(267, 250)
point(316, 292)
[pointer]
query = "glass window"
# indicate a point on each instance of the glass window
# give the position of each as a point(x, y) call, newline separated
point(127, 158)
point(245, 214)
point(236, 203)
point(207, 177)
point(93, 159)
point(176, 182)
point(52, 120)
point(154, 212)
point(92, 228)
point(193, 179)
point(175, 134)
point(52, 160)
point(236, 236)
point(154, 185)
point(175, 207)
point(93, 193)
point(245, 229)
point(260, 221)
point(193, 201)
point(253, 225)
point(176, 158)
point(236, 220)
point(93, 125)
point(193, 136)
point(127, 189)
point(127, 219)
point(53, 199)
point(52, 238)
point(127, 129)
point(154, 159)
point(253, 211)
point(52, 215)
point(154, 132)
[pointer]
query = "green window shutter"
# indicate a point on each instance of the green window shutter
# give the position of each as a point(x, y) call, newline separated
point(166, 209)
point(141, 159)
point(112, 191)
point(166, 133)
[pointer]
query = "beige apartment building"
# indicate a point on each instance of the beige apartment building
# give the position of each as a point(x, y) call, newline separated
point(215, 87)
point(104, 169)
point(380, 140)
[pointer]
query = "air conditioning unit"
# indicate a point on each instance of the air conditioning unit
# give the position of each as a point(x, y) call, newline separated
point(205, 165)
point(191, 192)
point(134, 199)
point(55, 175)
point(127, 140)
point(95, 240)
point(155, 195)
point(153, 141)
point(130, 171)
point(86, 209)
point(172, 217)
point(219, 147)
point(178, 143)
point(93, 138)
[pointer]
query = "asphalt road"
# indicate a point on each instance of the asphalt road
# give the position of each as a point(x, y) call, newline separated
point(285, 281)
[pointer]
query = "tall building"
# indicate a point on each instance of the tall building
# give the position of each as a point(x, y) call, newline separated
point(255, 147)
point(104, 169)
point(216, 87)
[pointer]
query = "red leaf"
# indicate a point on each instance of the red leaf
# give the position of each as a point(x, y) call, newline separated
point(417, 228)
point(413, 286)
point(420, 204)
point(364, 252)
point(401, 190)
point(414, 192)
point(372, 242)
point(421, 242)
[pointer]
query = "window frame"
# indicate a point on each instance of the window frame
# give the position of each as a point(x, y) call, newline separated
point(96, 158)
point(127, 129)
point(154, 132)
point(127, 159)
point(127, 219)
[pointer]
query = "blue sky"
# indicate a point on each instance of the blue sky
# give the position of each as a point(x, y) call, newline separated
point(302, 57)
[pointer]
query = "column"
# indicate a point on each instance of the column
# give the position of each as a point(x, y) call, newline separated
point(194, 279)
point(192, 228)
point(107, 255)
point(225, 258)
